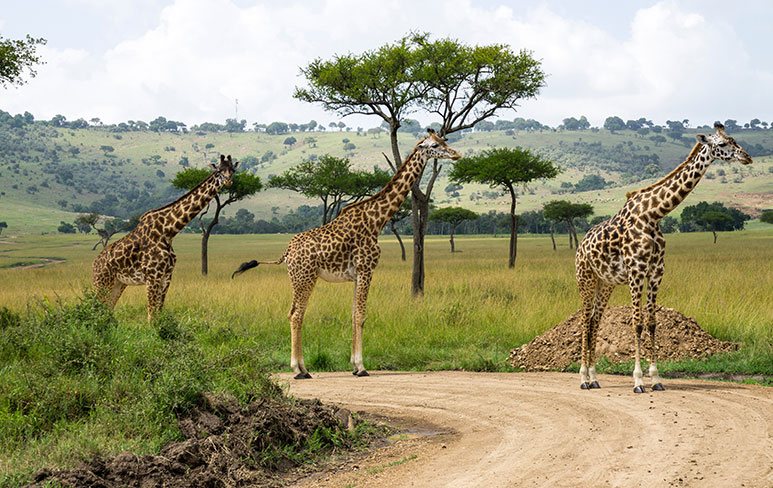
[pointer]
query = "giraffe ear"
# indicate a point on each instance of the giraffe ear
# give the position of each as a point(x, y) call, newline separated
point(702, 139)
point(222, 158)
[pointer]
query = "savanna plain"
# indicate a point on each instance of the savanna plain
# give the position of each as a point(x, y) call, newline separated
point(117, 386)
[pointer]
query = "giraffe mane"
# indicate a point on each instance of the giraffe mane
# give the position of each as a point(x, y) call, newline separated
point(687, 161)
point(170, 204)
point(383, 190)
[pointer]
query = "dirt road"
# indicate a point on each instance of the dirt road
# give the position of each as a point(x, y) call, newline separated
point(540, 429)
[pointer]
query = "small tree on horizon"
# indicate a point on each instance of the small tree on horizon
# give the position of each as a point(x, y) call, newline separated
point(507, 169)
point(714, 221)
point(453, 216)
point(566, 211)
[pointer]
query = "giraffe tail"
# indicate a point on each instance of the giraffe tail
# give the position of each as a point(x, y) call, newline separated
point(254, 264)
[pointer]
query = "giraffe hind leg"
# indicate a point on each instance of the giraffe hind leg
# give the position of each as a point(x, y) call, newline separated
point(603, 292)
point(301, 294)
point(587, 284)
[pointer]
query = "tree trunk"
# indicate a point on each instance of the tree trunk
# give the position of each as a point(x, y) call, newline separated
point(204, 257)
point(453, 228)
point(552, 238)
point(205, 233)
point(715, 236)
point(513, 230)
point(420, 211)
point(397, 234)
point(572, 233)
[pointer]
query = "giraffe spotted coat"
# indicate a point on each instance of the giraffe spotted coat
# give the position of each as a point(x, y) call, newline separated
point(628, 249)
point(346, 249)
point(145, 255)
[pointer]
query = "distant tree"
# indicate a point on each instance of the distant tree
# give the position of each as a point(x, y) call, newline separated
point(243, 186)
point(590, 182)
point(507, 169)
point(767, 217)
point(658, 140)
point(669, 224)
point(62, 203)
point(754, 123)
point(106, 149)
point(109, 228)
point(691, 218)
point(565, 211)
point(3, 225)
point(331, 180)
point(341, 125)
point(16, 56)
point(731, 124)
point(452, 216)
point(231, 125)
point(614, 123)
point(289, 141)
point(276, 128)
point(66, 228)
point(715, 221)
point(86, 222)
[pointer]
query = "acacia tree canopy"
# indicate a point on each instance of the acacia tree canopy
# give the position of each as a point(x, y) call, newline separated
point(505, 168)
point(16, 56)
point(332, 180)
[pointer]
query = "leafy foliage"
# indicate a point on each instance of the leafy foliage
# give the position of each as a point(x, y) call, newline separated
point(17, 56)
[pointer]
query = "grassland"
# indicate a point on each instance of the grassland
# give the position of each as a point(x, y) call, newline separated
point(474, 311)
point(76, 383)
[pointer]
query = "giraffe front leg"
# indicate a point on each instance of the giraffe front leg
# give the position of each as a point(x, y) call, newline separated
point(300, 301)
point(652, 292)
point(155, 298)
point(115, 294)
point(635, 285)
point(586, 282)
point(361, 288)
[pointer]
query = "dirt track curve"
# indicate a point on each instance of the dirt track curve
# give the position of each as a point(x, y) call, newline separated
point(540, 429)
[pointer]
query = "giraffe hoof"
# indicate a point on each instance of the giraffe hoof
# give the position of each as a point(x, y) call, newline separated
point(585, 385)
point(302, 376)
point(639, 389)
point(594, 385)
point(658, 387)
point(361, 373)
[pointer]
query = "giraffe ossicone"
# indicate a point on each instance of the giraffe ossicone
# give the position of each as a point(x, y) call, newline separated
point(145, 254)
point(346, 249)
point(628, 249)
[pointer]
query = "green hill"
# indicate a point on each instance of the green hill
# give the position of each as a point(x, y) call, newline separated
point(48, 174)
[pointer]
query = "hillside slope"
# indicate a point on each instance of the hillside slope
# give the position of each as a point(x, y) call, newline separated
point(53, 173)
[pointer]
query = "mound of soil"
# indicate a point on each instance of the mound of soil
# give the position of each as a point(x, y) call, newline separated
point(676, 337)
point(226, 444)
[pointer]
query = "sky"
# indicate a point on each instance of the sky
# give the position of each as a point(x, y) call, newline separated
point(191, 60)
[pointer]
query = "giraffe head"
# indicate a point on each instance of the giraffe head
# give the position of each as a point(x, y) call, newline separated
point(435, 146)
point(225, 171)
point(722, 146)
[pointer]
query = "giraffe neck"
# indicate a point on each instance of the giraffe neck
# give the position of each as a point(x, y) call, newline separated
point(665, 195)
point(175, 216)
point(383, 205)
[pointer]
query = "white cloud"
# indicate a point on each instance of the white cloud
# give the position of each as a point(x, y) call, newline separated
point(197, 56)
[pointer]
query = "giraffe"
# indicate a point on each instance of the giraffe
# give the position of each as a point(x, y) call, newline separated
point(629, 248)
point(145, 255)
point(346, 249)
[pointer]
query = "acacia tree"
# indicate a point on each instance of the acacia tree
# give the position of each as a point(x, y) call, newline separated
point(242, 186)
point(462, 84)
point(767, 217)
point(467, 85)
point(453, 216)
point(507, 169)
point(714, 221)
point(110, 227)
point(332, 180)
point(15, 57)
point(566, 211)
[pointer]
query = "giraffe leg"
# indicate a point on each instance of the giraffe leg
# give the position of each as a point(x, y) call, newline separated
point(586, 282)
point(603, 292)
point(361, 288)
point(301, 296)
point(155, 290)
point(652, 292)
point(116, 292)
point(635, 285)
